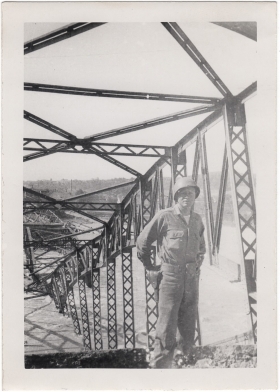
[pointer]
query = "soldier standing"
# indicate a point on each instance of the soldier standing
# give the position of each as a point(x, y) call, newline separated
point(179, 233)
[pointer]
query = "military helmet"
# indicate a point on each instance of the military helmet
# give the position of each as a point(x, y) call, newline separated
point(184, 182)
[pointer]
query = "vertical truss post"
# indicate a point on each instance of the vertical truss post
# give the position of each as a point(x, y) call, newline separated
point(56, 296)
point(151, 305)
point(161, 189)
point(96, 299)
point(181, 169)
point(84, 309)
point(173, 164)
point(206, 198)
point(105, 244)
point(30, 257)
point(170, 194)
point(98, 343)
point(178, 169)
point(178, 164)
point(128, 306)
point(220, 206)
point(120, 228)
point(112, 306)
point(141, 203)
point(243, 199)
point(60, 291)
point(154, 195)
point(127, 224)
point(71, 300)
point(64, 289)
point(197, 339)
point(196, 161)
point(146, 202)
point(207, 177)
point(134, 217)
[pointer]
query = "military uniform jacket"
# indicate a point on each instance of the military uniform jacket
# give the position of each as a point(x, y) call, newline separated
point(177, 241)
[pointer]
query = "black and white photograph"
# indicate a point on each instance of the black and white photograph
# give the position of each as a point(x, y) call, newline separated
point(139, 192)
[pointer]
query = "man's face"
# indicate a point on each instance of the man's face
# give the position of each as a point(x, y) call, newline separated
point(186, 197)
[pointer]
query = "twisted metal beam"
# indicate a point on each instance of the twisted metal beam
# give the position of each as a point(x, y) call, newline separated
point(59, 202)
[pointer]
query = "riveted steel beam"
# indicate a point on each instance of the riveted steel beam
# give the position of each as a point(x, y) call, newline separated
point(81, 147)
point(153, 122)
point(220, 205)
point(90, 92)
point(197, 57)
point(50, 127)
point(243, 199)
point(58, 35)
point(86, 206)
point(110, 188)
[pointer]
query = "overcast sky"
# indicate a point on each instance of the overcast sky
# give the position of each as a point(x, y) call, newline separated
point(140, 57)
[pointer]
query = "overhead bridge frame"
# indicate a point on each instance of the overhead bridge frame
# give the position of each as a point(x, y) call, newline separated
point(117, 236)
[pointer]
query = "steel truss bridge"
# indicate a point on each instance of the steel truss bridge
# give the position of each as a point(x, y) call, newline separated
point(81, 260)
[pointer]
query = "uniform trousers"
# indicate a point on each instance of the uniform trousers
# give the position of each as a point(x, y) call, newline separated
point(177, 308)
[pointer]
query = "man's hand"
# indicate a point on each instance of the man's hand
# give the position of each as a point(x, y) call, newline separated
point(199, 261)
point(154, 277)
point(151, 267)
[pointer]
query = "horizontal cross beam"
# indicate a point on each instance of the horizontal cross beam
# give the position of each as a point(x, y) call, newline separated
point(86, 206)
point(81, 147)
point(62, 147)
point(58, 35)
point(91, 92)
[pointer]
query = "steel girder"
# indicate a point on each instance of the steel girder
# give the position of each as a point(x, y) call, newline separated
point(128, 305)
point(197, 57)
point(84, 314)
point(220, 205)
point(82, 147)
point(154, 122)
point(151, 306)
point(58, 35)
point(110, 188)
point(45, 124)
point(90, 92)
point(112, 305)
point(29, 206)
point(62, 240)
point(243, 200)
point(66, 147)
point(59, 202)
point(96, 298)
point(207, 194)
point(69, 273)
